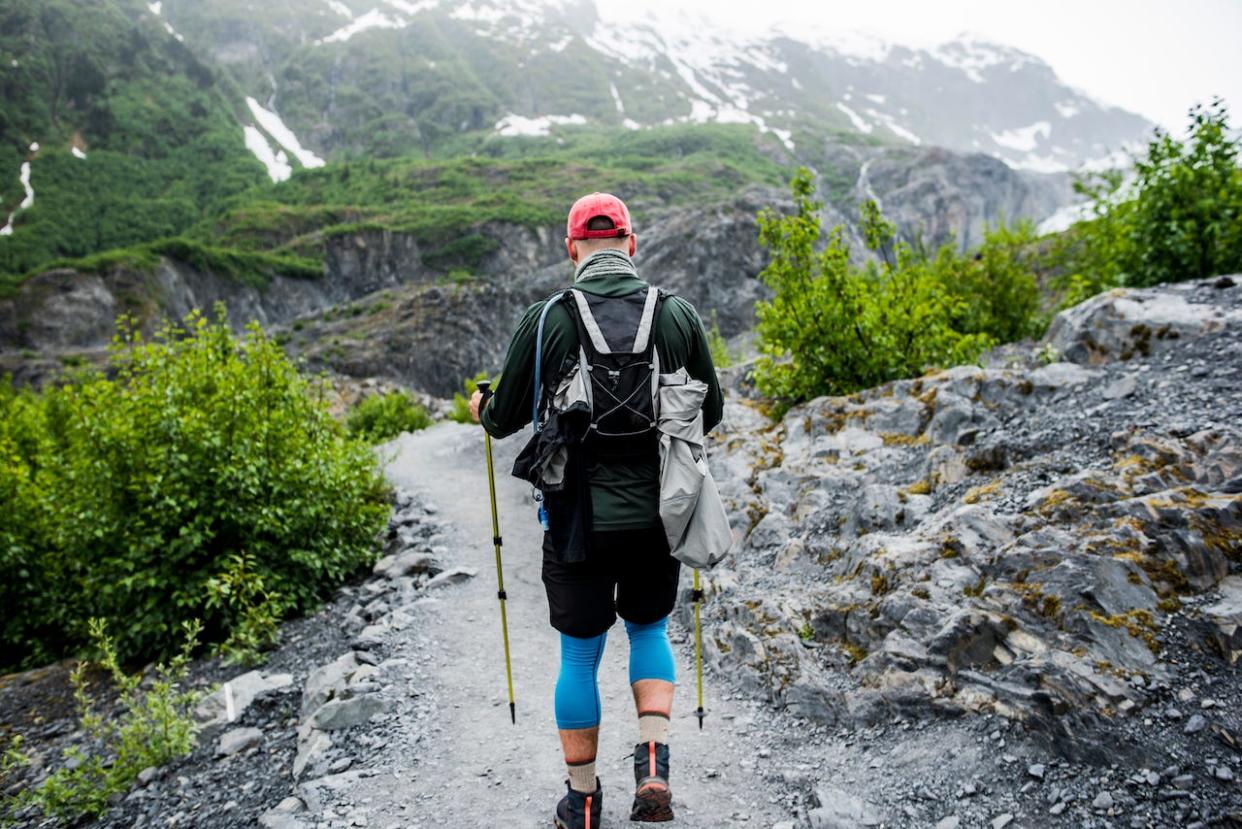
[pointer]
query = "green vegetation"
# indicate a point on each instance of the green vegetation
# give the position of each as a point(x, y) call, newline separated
point(834, 328)
point(1180, 218)
point(154, 726)
point(382, 417)
point(253, 268)
point(722, 356)
point(163, 145)
point(445, 204)
point(205, 480)
point(460, 413)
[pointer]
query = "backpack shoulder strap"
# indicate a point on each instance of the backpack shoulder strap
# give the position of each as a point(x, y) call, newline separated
point(642, 339)
point(599, 343)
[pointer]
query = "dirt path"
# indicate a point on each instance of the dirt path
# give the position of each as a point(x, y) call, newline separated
point(457, 753)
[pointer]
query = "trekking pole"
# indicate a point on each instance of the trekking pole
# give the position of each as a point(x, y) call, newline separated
point(698, 647)
point(485, 387)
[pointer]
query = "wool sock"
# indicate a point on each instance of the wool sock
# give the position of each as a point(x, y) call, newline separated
point(582, 776)
point(653, 726)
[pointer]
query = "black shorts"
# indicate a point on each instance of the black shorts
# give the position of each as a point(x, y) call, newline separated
point(627, 572)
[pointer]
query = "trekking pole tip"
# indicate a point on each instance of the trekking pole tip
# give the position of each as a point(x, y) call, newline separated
point(700, 713)
point(513, 712)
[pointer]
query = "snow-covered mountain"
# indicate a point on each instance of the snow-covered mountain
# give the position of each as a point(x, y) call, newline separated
point(392, 76)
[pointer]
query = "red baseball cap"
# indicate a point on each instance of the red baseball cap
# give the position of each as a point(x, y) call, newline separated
point(598, 204)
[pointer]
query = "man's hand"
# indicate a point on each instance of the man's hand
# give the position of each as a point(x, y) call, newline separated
point(476, 403)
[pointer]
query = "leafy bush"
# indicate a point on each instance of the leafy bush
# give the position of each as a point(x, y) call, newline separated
point(722, 357)
point(1180, 218)
point(382, 417)
point(460, 412)
point(833, 328)
point(127, 499)
point(153, 727)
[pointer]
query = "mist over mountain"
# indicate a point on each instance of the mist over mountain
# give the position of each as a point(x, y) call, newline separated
point(393, 76)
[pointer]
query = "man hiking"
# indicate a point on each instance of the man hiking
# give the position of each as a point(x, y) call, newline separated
point(606, 554)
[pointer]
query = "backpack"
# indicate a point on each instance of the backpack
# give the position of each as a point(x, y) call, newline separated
point(613, 402)
point(618, 359)
point(603, 403)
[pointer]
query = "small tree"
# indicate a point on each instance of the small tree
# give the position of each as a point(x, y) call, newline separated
point(833, 328)
point(1187, 220)
point(1180, 218)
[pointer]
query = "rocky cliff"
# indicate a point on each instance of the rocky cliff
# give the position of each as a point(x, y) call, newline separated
point(1056, 543)
point(707, 253)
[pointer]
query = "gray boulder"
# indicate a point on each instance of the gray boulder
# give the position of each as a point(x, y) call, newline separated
point(1224, 618)
point(1119, 325)
point(230, 700)
point(346, 713)
point(327, 681)
point(838, 809)
point(237, 741)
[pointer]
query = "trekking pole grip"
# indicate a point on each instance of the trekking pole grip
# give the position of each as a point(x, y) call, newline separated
point(485, 388)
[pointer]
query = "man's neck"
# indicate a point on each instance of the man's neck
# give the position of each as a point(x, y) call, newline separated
point(604, 262)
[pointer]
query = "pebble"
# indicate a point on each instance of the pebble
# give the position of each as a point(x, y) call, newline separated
point(1195, 724)
point(1036, 770)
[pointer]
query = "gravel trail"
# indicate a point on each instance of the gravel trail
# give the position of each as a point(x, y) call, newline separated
point(458, 754)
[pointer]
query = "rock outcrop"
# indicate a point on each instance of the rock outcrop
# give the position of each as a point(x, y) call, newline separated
point(709, 254)
point(1038, 541)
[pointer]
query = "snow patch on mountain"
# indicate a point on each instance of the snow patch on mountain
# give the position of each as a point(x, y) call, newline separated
point(77, 152)
point(480, 13)
point(277, 164)
point(513, 125)
point(374, 19)
point(28, 202)
point(275, 127)
point(341, 9)
point(24, 178)
point(1064, 218)
point(413, 8)
point(894, 126)
point(168, 27)
point(972, 56)
point(1067, 109)
point(1023, 139)
point(860, 123)
point(156, 8)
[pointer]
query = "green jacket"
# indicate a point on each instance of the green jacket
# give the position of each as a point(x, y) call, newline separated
point(623, 495)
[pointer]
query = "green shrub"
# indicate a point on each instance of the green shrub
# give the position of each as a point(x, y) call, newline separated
point(382, 417)
point(722, 357)
point(833, 328)
point(460, 412)
point(153, 726)
point(128, 498)
point(1180, 218)
point(994, 289)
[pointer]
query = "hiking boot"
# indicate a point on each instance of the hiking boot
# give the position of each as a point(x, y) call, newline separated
point(580, 811)
point(653, 802)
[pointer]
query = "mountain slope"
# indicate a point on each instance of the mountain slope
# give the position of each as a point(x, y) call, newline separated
point(128, 135)
point(394, 76)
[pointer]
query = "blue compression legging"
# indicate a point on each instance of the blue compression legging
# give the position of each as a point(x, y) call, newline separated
point(577, 687)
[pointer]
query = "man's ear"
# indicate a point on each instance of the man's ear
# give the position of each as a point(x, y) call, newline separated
point(633, 244)
point(571, 249)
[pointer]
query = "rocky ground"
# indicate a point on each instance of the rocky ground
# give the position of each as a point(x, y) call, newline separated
point(1052, 546)
point(989, 597)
